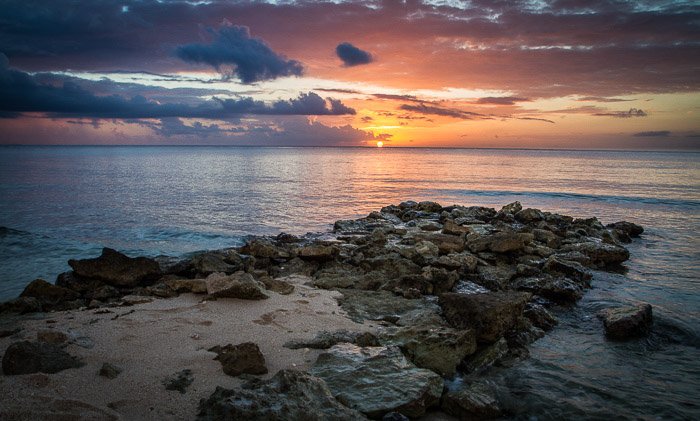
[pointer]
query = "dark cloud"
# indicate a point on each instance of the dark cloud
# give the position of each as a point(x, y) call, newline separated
point(252, 59)
point(632, 112)
point(339, 91)
point(442, 111)
point(602, 99)
point(306, 104)
point(393, 97)
point(654, 133)
point(351, 55)
point(534, 119)
point(502, 100)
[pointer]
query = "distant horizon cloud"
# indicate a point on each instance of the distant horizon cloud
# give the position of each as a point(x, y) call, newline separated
point(352, 56)
point(653, 133)
point(632, 112)
point(252, 59)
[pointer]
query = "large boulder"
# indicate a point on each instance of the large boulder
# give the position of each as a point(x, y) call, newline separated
point(629, 228)
point(326, 339)
point(377, 380)
point(21, 305)
point(490, 314)
point(51, 296)
point(288, 395)
point(37, 357)
point(244, 358)
point(556, 288)
point(473, 401)
point(208, 263)
point(627, 322)
point(599, 253)
point(117, 269)
point(239, 285)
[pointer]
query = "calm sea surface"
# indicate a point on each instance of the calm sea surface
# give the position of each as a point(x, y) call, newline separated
point(58, 203)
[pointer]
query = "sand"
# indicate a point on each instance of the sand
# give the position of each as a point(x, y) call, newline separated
point(153, 341)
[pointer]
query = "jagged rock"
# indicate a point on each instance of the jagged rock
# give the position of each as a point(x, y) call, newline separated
point(84, 286)
point(278, 285)
point(110, 371)
point(485, 357)
point(37, 357)
point(244, 358)
point(540, 316)
point(512, 208)
point(427, 206)
point(420, 253)
point(452, 228)
point(494, 277)
point(476, 213)
point(475, 401)
point(117, 269)
point(546, 237)
point(461, 262)
point(556, 288)
point(430, 226)
point(392, 265)
point(383, 305)
point(529, 215)
point(318, 252)
point(262, 248)
point(600, 253)
point(295, 266)
point(377, 380)
point(103, 293)
point(446, 243)
point(629, 228)
point(239, 285)
point(437, 348)
point(571, 269)
point(361, 226)
point(21, 305)
point(441, 280)
point(490, 314)
point(50, 296)
point(288, 395)
point(395, 416)
point(627, 322)
point(208, 263)
point(325, 340)
point(500, 242)
point(196, 286)
point(180, 381)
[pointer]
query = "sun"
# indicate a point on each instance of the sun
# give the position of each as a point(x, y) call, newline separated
point(380, 144)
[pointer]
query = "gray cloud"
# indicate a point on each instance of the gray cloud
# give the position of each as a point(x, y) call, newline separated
point(351, 55)
point(442, 111)
point(252, 59)
point(632, 112)
point(503, 100)
point(653, 133)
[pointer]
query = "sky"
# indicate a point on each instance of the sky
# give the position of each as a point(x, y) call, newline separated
point(597, 74)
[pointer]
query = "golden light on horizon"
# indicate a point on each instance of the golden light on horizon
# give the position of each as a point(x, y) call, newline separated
point(380, 144)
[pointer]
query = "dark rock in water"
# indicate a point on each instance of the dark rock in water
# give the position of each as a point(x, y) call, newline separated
point(629, 228)
point(50, 296)
point(627, 322)
point(571, 269)
point(288, 395)
point(21, 305)
point(110, 371)
point(34, 357)
point(475, 401)
point(600, 253)
point(556, 288)
point(485, 357)
point(244, 358)
point(394, 416)
point(117, 269)
point(437, 348)
point(377, 380)
point(490, 314)
point(325, 340)
point(540, 316)
point(180, 381)
point(239, 285)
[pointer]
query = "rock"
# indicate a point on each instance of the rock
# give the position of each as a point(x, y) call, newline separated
point(325, 340)
point(430, 226)
point(384, 305)
point(50, 296)
point(117, 269)
point(295, 266)
point(244, 358)
point(180, 381)
point(571, 269)
point(452, 228)
point(493, 277)
point(500, 242)
point(87, 287)
point(4, 333)
point(485, 357)
point(318, 252)
point(420, 253)
point(33, 357)
point(427, 206)
point(441, 280)
point(540, 316)
point(51, 337)
point(446, 243)
point(263, 248)
point(490, 314)
point(278, 285)
point(627, 322)
point(512, 208)
point(110, 371)
point(394, 416)
point(556, 288)
point(546, 237)
point(529, 215)
point(475, 401)
point(239, 285)
point(288, 395)
point(131, 300)
point(629, 228)
point(208, 263)
point(21, 305)
point(600, 253)
point(196, 286)
point(103, 293)
point(377, 380)
point(437, 348)
point(461, 262)
point(361, 226)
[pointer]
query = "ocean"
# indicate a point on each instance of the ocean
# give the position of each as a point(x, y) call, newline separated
point(58, 203)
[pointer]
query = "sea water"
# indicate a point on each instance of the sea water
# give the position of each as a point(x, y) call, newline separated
point(58, 203)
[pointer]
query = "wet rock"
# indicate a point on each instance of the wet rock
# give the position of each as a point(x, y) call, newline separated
point(288, 395)
point(540, 316)
point(437, 348)
point(239, 285)
point(195, 286)
point(377, 380)
point(180, 381)
point(50, 296)
point(574, 270)
point(244, 358)
point(529, 215)
point(600, 253)
point(490, 314)
point(629, 228)
point(110, 371)
point(485, 357)
point(33, 357)
point(318, 252)
point(556, 288)
point(325, 340)
point(117, 269)
point(474, 401)
point(21, 305)
point(627, 322)
point(500, 242)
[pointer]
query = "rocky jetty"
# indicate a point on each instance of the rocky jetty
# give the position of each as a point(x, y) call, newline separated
point(449, 290)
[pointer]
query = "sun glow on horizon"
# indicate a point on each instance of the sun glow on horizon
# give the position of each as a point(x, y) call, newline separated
point(380, 144)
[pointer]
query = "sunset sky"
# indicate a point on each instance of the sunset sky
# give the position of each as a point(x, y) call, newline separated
point(530, 74)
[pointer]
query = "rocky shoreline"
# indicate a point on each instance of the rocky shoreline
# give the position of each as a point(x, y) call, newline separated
point(427, 293)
